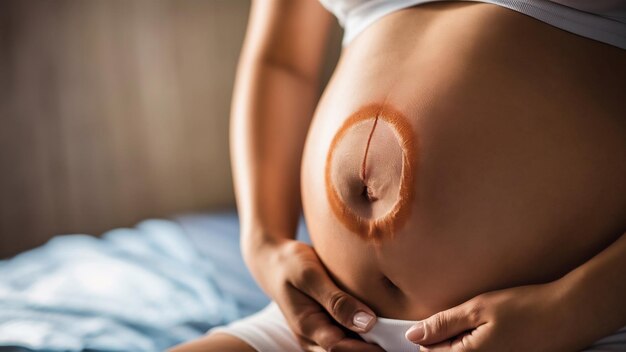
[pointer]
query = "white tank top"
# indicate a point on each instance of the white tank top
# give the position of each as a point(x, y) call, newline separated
point(601, 20)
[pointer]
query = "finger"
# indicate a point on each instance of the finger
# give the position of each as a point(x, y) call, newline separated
point(313, 325)
point(440, 347)
point(318, 328)
point(445, 325)
point(308, 320)
point(456, 345)
point(330, 337)
point(345, 309)
point(310, 346)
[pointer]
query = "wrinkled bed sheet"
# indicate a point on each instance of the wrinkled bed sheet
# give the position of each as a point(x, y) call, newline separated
point(141, 289)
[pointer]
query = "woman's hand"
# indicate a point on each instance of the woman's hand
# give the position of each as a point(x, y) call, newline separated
point(564, 315)
point(526, 318)
point(314, 307)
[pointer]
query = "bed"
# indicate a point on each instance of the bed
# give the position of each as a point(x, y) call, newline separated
point(144, 288)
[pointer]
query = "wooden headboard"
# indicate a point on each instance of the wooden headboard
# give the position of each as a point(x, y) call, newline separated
point(114, 111)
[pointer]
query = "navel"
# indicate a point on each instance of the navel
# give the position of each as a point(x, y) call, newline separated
point(369, 173)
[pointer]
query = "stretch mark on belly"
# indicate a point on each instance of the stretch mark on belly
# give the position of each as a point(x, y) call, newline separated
point(371, 193)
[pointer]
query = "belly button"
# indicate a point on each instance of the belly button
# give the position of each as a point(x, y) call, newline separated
point(369, 174)
point(389, 284)
point(368, 194)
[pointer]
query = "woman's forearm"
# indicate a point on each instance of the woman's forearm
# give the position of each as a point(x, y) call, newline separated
point(275, 94)
point(271, 112)
point(594, 294)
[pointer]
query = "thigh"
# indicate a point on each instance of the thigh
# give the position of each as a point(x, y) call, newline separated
point(266, 330)
point(215, 342)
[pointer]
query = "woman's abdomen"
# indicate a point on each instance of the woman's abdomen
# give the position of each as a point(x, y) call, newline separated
point(452, 161)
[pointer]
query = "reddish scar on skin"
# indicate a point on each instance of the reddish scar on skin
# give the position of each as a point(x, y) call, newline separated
point(384, 226)
point(367, 149)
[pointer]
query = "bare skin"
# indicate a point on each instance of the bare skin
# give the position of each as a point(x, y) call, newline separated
point(520, 178)
point(370, 189)
point(500, 186)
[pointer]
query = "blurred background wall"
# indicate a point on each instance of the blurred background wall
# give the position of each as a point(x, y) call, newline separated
point(114, 111)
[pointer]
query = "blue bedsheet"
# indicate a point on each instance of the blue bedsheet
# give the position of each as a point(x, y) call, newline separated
point(142, 289)
point(216, 236)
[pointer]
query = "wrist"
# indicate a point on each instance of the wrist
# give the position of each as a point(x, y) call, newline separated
point(571, 317)
point(259, 243)
point(552, 313)
point(262, 250)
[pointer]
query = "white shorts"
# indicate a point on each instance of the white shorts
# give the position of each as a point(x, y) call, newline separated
point(267, 331)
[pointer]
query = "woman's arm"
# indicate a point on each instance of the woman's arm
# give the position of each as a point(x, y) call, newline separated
point(568, 314)
point(594, 294)
point(276, 91)
point(275, 95)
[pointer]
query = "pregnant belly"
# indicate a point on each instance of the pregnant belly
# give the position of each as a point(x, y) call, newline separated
point(451, 161)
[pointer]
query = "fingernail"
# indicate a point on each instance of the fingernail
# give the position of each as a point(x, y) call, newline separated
point(416, 332)
point(362, 320)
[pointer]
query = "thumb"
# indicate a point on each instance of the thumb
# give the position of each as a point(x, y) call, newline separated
point(444, 325)
point(349, 311)
point(344, 308)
